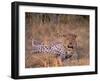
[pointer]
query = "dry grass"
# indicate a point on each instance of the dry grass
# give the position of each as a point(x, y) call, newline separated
point(42, 60)
point(47, 60)
point(80, 62)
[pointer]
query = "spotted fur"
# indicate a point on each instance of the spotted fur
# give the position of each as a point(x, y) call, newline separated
point(68, 51)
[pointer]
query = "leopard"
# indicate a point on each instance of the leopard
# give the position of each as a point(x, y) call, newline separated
point(65, 51)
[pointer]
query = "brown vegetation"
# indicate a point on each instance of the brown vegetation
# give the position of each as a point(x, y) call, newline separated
point(42, 60)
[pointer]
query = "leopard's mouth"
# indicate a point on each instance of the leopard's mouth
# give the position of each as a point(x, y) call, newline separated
point(70, 47)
